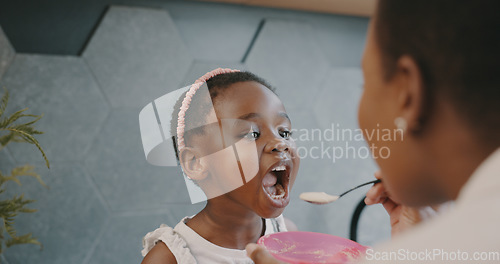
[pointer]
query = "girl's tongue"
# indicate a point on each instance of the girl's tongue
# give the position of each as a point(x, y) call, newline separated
point(269, 180)
point(272, 187)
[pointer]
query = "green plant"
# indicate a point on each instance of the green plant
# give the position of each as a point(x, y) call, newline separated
point(12, 130)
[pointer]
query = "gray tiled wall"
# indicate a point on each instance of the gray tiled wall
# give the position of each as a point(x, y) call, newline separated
point(103, 195)
point(6, 52)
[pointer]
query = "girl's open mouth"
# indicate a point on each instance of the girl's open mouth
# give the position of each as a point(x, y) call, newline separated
point(275, 183)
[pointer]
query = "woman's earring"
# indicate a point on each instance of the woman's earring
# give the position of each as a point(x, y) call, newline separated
point(401, 123)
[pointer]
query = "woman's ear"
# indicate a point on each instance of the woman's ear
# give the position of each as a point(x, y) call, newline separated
point(192, 164)
point(411, 95)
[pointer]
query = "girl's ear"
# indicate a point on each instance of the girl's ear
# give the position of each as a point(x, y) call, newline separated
point(192, 164)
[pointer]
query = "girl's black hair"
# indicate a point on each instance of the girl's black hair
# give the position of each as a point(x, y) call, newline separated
point(199, 107)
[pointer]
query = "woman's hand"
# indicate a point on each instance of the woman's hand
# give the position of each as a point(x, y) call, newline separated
point(259, 255)
point(402, 217)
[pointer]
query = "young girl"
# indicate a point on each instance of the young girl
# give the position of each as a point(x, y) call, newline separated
point(236, 146)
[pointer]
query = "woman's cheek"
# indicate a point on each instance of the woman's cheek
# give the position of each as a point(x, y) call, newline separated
point(362, 118)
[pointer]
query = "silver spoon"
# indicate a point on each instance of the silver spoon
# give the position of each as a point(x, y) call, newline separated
point(324, 198)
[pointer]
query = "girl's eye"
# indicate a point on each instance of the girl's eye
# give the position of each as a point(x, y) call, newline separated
point(286, 134)
point(252, 135)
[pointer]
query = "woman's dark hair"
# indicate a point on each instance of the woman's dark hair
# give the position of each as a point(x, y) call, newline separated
point(455, 44)
point(200, 106)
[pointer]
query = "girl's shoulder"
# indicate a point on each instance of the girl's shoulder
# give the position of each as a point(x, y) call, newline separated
point(173, 248)
point(159, 254)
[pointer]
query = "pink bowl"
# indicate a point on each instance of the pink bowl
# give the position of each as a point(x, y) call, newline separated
point(310, 247)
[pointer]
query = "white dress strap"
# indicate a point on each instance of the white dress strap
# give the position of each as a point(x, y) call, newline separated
point(275, 225)
point(172, 240)
point(188, 247)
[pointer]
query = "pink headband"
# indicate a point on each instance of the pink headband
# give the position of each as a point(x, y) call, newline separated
point(187, 100)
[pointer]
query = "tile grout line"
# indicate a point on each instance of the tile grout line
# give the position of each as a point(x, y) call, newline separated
point(254, 39)
point(91, 251)
point(87, 149)
point(186, 74)
point(97, 82)
point(7, 66)
point(100, 196)
point(161, 211)
point(93, 31)
point(3, 259)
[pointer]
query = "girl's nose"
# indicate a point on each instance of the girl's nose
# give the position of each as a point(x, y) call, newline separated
point(277, 145)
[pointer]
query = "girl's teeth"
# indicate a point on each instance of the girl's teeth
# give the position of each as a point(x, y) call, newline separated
point(279, 192)
point(279, 168)
point(277, 197)
point(276, 191)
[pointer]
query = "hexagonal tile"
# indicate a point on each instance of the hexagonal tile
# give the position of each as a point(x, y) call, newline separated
point(108, 251)
point(320, 174)
point(127, 182)
point(212, 31)
point(68, 219)
point(287, 55)
point(341, 38)
point(313, 167)
point(215, 31)
point(121, 241)
point(137, 53)
point(199, 68)
point(2, 258)
point(303, 125)
point(62, 89)
point(339, 214)
point(178, 211)
point(301, 115)
point(6, 52)
point(5, 161)
point(325, 161)
point(324, 170)
point(338, 99)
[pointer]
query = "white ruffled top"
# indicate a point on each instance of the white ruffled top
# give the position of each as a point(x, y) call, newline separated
point(190, 248)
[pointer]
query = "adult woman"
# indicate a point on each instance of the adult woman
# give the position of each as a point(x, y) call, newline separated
point(430, 68)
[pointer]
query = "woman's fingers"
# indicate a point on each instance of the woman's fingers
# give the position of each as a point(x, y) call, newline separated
point(376, 194)
point(389, 205)
point(259, 255)
point(370, 201)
